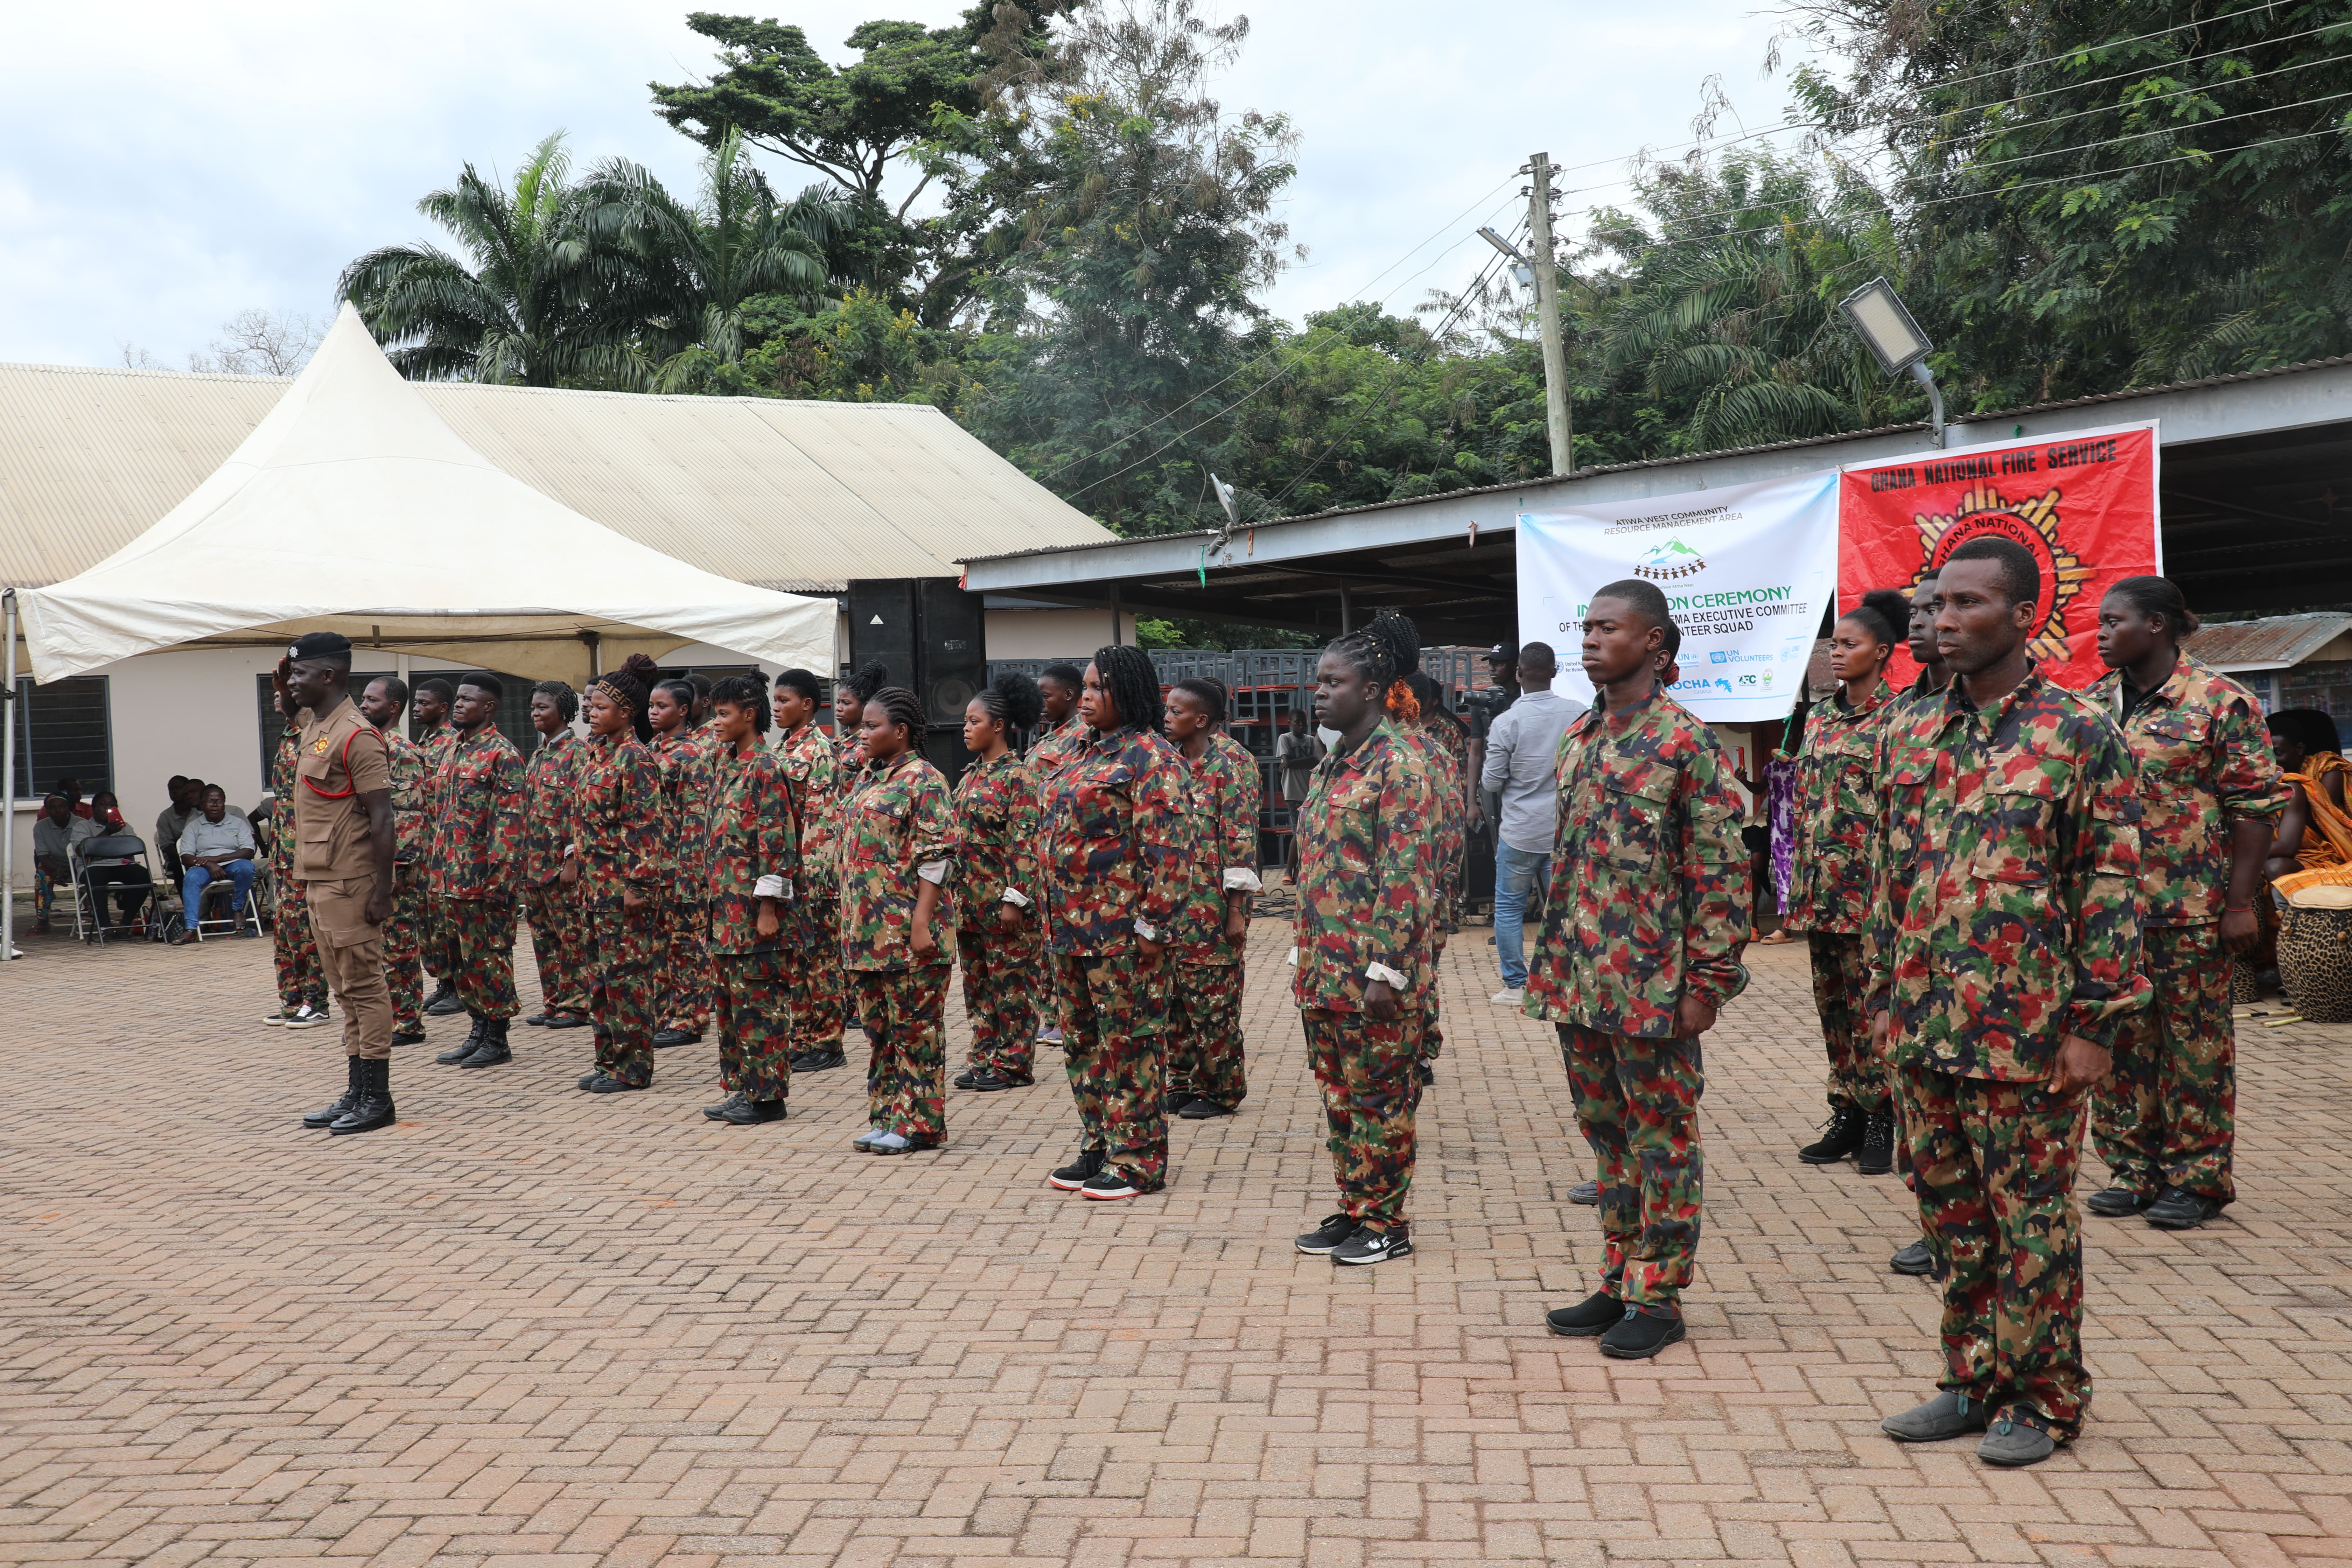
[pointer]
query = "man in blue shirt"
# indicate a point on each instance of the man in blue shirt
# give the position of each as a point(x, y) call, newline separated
point(1521, 746)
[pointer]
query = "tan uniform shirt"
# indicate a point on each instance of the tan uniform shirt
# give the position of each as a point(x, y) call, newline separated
point(343, 759)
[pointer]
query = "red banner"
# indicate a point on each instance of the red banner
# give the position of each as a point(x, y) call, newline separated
point(2083, 502)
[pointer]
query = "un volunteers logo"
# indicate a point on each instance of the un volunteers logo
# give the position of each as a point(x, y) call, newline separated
point(2032, 523)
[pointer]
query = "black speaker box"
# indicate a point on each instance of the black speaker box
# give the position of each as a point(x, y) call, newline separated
point(930, 636)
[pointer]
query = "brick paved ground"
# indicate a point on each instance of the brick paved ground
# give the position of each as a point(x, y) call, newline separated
point(533, 1326)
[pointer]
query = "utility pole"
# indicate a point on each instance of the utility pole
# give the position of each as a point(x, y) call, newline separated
point(1555, 357)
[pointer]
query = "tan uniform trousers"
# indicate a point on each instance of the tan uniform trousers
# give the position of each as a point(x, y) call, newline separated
point(351, 952)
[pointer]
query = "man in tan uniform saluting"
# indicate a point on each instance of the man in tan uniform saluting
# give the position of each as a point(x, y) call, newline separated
point(343, 844)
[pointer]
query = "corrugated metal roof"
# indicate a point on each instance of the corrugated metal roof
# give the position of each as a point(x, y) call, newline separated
point(797, 496)
point(2274, 642)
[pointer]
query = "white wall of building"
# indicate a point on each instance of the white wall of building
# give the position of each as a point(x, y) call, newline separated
point(1051, 633)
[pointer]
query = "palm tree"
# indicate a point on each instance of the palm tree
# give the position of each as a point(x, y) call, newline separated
point(550, 297)
point(702, 263)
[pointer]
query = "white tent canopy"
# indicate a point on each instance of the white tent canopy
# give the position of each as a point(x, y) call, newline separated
point(353, 507)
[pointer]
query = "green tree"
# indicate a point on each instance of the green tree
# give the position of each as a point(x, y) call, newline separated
point(548, 296)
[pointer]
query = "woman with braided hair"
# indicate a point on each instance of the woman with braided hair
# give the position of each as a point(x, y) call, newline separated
point(615, 861)
point(751, 857)
point(1400, 641)
point(851, 693)
point(997, 933)
point(818, 767)
point(899, 842)
point(683, 752)
point(1224, 790)
point(1114, 867)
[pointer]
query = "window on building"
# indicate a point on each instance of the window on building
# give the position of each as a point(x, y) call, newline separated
point(63, 731)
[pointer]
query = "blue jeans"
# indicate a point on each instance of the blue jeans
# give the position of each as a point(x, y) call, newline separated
point(198, 878)
point(1516, 871)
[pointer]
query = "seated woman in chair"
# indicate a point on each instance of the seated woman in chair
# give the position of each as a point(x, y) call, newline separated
point(2315, 832)
point(126, 877)
point(213, 846)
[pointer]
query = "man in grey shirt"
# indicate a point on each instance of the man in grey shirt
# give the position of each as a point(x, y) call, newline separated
point(1520, 747)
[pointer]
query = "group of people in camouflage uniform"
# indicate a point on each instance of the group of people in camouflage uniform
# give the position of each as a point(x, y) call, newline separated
point(2022, 902)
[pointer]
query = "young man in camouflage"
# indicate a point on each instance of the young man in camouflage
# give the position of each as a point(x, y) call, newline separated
point(382, 705)
point(476, 842)
point(2166, 1122)
point(429, 706)
point(753, 856)
point(1639, 950)
point(2004, 958)
point(302, 979)
point(551, 908)
point(1208, 1072)
point(816, 767)
point(1366, 873)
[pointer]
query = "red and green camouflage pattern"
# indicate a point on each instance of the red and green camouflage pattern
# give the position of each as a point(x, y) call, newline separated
point(1223, 794)
point(1206, 1056)
point(301, 975)
point(1050, 751)
point(282, 792)
point(619, 946)
point(1637, 1106)
point(481, 933)
point(1112, 851)
point(1000, 996)
point(1449, 745)
point(1994, 1164)
point(1114, 1011)
point(1365, 874)
point(412, 824)
point(433, 933)
point(897, 816)
point(1835, 841)
point(1858, 1078)
point(547, 795)
point(684, 758)
point(751, 834)
point(403, 970)
point(1367, 1072)
point(2008, 913)
point(1651, 883)
point(2203, 752)
point(617, 823)
point(1448, 833)
point(998, 817)
point(553, 912)
point(475, 798)
point(752, 1004)
point(903, 1011)
point(2167, 1114)
point(814, 766)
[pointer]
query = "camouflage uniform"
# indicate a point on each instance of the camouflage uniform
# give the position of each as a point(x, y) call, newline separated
point(898, 817)
point(997, 819)
point(1424, 1032)
point(684, 758)
point(437, 953)
point(403, 973)
point(470, 878)
point(552, 908)
point(1223, 793)
point(814, 770)
point(1830, 892)
point(302, 977)
point(752, 835)
point(1649, 904)
point(2005, 920)
point(1451, 746)
point(1366, 897)
point(1113, 867)
point(1050, 752)
point(617, 829)
point(2168, 1116)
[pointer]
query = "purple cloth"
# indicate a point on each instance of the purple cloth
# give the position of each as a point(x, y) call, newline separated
point(1780, 807)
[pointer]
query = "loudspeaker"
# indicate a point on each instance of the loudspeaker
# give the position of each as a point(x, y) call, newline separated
point(930, 636)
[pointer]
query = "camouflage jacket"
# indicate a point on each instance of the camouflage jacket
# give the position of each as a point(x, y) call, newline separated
point(997, 818)
point(616, 819)
point(547, 795)
point(1051, 750)
point(1836, 861)
point(412, 824)
point(477, 804)
point(898, 817)
point(684, 763)
point(1223, 794)
point(2007, 913)
point(1449, 824)
point(437, 744)
point(2203, 753)
point(1111, 849)
point(1365, 873)
point(281, 798)
point(812, 767)
point(752, 834)
point(1650, 879)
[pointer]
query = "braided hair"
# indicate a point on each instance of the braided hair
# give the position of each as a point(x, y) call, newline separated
point(681, 692)
point(867, 682)
point(1012, 701)
point(631, 687)
point(903, 709)
point(1395, 630)
point(745, 692)
point(1127, 675)
point(1208, 691)
point(560, 692)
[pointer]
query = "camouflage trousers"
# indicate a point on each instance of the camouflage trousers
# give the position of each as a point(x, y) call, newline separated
point(1367, 1070)
point(301, 978)
point(1000, 998)
point(1204, 1034)
point(554, 913)
point(403, 973)
point(1113, 1026)
point(481, 933)
point(437, 943)
point(1996, 1164)
point(685, 978)
point(620, 947)
point(904, 1017)
point(2169, 1115)
point(816, 1022)
point(1858, 1079)
point(1637, 1105)
point(751, 1004)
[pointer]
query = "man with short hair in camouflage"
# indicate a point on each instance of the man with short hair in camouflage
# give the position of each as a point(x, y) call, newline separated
point(382, 705)
point(1639, 950)
point(2004, 959)
point(749, 860)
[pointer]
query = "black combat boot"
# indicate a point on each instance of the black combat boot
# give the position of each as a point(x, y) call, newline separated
point(332, 1113)
point(1877, 1144)
point(1839, 1139)
point(374, 1109)
point(493, 1050)
point(465, 1048)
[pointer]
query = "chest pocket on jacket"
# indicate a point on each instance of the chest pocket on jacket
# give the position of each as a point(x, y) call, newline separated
point(1636, 829)
point(2170, 748)
point(1908, 779)
point(1101, 803)
point(2012, 822)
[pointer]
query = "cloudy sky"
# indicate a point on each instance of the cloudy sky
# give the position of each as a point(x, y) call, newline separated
point(163, 166)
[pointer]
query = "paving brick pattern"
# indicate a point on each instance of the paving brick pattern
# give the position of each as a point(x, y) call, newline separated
point(534, 1327)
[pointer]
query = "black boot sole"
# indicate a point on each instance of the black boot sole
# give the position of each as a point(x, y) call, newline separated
point(1674, 1337)
point(387, 1120)
point(318, 1119)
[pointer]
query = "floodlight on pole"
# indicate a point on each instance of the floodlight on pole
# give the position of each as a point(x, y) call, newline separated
point(1876, 314)
point(1523, 271)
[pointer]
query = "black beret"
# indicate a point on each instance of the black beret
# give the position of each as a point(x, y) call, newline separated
point(319, 645)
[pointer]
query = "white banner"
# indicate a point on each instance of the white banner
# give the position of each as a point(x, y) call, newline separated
point(1747, 570)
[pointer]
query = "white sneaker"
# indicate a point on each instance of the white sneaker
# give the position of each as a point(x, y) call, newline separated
point(306, 1017)
point(277, 1018)
point(1509, 996)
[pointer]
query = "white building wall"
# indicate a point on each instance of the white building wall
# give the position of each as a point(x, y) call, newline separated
point(1051, 634)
